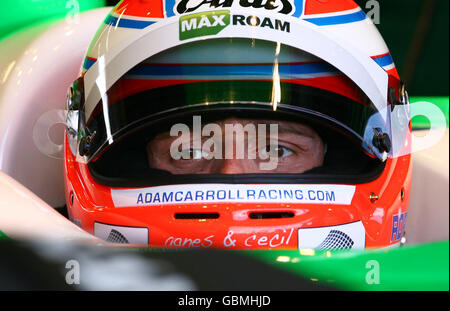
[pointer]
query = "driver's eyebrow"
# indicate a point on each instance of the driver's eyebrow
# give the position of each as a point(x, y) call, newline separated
point(290, 128)
point(283, 128)
point(167, 136)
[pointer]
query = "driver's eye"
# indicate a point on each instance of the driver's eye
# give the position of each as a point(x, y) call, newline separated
point(278, 151)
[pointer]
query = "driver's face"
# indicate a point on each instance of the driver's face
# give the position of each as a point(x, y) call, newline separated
point(298, 149)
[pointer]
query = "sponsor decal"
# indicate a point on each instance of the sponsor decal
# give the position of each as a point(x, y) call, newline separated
point(336, 239)
point(273, 239)
point(208, 193)
point(121, 234)
point(203, 24)
point(195, 242)
point(348, 236)
point(213, 22)
point(398, 227)
point(266, 22)
point(117, 237)
point(276, 6)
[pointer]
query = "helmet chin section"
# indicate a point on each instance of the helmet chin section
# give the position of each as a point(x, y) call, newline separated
point(241, 216)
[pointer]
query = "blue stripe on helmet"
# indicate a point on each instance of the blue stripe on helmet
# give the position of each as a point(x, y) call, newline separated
point(127, 23)
point(88, 63)
point(170, 5)
point(384, 60)
point(298, 8)
point(337, 20)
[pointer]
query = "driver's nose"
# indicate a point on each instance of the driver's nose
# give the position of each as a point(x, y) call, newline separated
point(233, 166)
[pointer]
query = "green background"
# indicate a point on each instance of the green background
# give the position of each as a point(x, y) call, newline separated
point(18, 14)
point(416, 32)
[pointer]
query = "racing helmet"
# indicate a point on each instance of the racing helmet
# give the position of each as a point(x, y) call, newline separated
point(158, 69)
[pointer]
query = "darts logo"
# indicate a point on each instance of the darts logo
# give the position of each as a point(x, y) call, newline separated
point(276, 6)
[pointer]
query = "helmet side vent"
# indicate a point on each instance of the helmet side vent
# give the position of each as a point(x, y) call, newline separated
point(271, 215)
point(196, 215)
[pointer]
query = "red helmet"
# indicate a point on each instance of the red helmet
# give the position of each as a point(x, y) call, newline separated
point(319, 71)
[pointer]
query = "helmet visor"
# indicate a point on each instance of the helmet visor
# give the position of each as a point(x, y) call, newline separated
point(180, 104)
